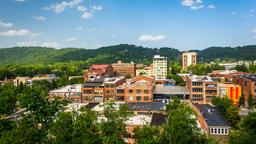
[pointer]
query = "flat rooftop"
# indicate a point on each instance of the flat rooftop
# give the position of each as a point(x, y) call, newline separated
point(250, 77)
point(172, 90)
point(158, 119)
point(211, 115)
point(139, 120)
point(68, 88)
point(152, 106)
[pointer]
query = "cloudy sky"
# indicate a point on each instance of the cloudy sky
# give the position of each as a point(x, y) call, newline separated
point(182, 24)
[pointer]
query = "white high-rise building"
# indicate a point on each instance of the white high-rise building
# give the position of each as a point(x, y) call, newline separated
point(188, 58)
point(160, 67)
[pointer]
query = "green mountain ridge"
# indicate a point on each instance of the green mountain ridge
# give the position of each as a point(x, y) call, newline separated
point(110, 54)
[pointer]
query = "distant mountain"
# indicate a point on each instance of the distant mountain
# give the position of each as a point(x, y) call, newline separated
point(110, 54)
point(228, 53)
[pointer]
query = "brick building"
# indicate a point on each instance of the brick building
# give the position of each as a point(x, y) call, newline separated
point(248, 85)
point(202, 88)
point(137, 89)
point(125, 69)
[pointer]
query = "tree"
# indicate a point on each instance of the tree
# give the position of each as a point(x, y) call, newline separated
point(147, 135)
point(178, 79)
point(246, 134)
point(113, 127)
point(175, 68)
point(181, 125)
point(200, 69)
point(228, 109)
point(7, 99)
point(250, 100)
point(241, 100)
point(241, 68)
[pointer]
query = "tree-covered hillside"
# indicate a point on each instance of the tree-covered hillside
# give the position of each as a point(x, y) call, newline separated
point(110, 54)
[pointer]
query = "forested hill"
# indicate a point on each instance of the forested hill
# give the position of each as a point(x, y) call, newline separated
point(110, 54)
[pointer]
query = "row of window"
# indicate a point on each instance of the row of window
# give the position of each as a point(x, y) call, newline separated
point(139, 91)
point(219, 131)
point(197, 83)
point(197, 97)
point(197, 89)
point(138, 98)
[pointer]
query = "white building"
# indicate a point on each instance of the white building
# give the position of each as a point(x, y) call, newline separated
point(160, 67)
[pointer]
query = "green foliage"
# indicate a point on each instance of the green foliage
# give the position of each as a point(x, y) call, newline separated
point(250, 101)
point(246, 134)
point(242, 100)
point(227, 53)
point(72, 128)
point(241, 68)
point(181, 126)
point(7, 99)
point(175, 68)
point(113, 128)
point(200, 69)
point(178, 79)
point(227, 109)
point(147, 135)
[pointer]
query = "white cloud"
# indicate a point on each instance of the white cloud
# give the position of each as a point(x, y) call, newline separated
point(86, 15)
point(27, 43)
point(20, 0)
point(79, 28)
point(96, 8)
point(50, 44)
point(10, 33)
point(5, 24)
point(81, 8)
point(39, 18)
point(211, 6)
point(71, 39)
point(36, 34)
point(192, 4)
point(252, 10)
point(36, 43)
point(93, 29)
point(113, 35)
point(145, 38)
point(254, 30)
point(233, 13)
point(60, 7)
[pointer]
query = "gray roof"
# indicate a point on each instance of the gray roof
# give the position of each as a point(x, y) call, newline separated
point(172, 90)
point(140, 106)
point(211, 115)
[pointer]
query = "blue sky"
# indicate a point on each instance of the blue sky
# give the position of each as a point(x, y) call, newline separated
point(182, 24)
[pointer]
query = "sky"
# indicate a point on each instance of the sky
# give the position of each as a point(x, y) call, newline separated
point(90, 24)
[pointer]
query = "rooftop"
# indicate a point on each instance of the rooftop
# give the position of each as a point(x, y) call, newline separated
point(152, 106)
point(69, 88)
point(172, 90)
point(158, 119)
point(202, 78)
point(250, 77)
point(139, 120)
point(211, 115)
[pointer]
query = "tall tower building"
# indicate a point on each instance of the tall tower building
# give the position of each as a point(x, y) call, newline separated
point(160, 67)
point(188, 58)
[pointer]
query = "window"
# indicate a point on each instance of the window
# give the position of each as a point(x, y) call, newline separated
point(226, 131)
point(138, 91)
point(218, 131)
point(146, 98)
point(120, 91)
point(211, 130)
point(146, 91)
point(197, 89)
point(130, 91)
point(138, 98)
point(130, 98)
point(197, 83)
point(215, 130)
point(88, 91)
point(222, 131)
point(197, 97)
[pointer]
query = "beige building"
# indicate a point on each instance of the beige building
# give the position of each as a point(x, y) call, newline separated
point(160, 67)
point(188, 58)
point(145, 71)
point(125, 69)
